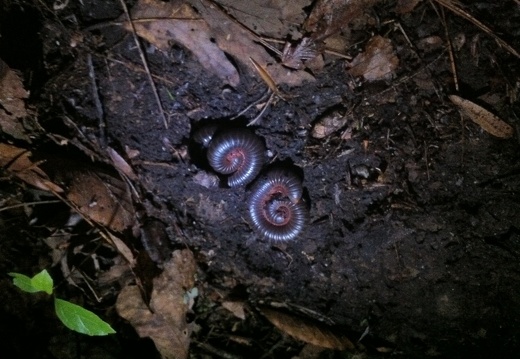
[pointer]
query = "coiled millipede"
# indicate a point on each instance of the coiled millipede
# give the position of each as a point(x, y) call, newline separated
point(238, 153)
point(276, 208)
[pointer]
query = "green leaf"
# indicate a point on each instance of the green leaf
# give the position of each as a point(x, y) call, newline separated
point(41, 282)
point(23, 282)
point(81, 320)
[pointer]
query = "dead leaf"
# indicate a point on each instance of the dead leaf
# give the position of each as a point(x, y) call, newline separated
point(120, 246)
point(430, 43)
point(485, 119)
point(237, 308)
point(377, 62)
point(165, 320)
point(328, 17)
point(162, 22)
point(17, 162)
point(155, 240)
point(12, 105)
point(306, 330)
point(242, 44)
point(102, 198)
point(273, 18)
point(328, 124)
point(120, 164)
point(118, 272)
point(58, 243)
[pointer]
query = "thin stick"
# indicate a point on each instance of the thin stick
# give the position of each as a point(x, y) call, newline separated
point(103, 25)
point(28, 204)
point(450, 4)
point(450, 51)
point(264, 75)
point(133, 67)
point(145, 64)
point(97, 102)
point(426, 160)
point(253, 121)
point(251, 105)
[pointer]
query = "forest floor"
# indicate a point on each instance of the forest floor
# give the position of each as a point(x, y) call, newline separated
point(411, 245)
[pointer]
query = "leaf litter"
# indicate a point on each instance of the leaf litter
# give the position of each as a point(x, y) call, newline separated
point(12, 105)
point(160, 23)
point(164, 319)
point(17, 161)
point(491, 123)
point(306, 330)
point(375, 63)
point(211, 34)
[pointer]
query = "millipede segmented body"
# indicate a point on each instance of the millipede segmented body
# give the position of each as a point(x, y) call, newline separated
point(276, 208)
point(235, 152)
point(204, 135)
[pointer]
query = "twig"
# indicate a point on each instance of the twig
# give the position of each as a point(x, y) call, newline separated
point(271, 84)
point(217, 352)
point(254, 103)
point(450, 4)
point(133, 67)
point(266, 77)
point(97, 102)
point(450, 51)
point(145, 63)
point(408, 77)
point(28, 204)
point(426, 160)
point(253, 121)
point(105, 24)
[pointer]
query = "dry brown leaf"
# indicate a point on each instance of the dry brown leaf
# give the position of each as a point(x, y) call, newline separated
point(58, 243)
point(430, 43)
point(306, 330)
point(377, 62)
point(330, 16)
point(102, 198)
point(12, 106)
point(327, 125)
point(489, 122)
point(118, 272)
point(155, 240)
point(242, 44)
point(17, 162)
point(121, 247)
point(237, 308)
point(327, 18)
point(273, 18)
point(120, 164)
point(161, 22)
point(166, 323)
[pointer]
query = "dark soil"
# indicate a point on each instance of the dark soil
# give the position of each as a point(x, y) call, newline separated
point(414, 229)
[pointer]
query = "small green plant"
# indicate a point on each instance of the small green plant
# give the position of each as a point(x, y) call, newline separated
point(71, 315)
